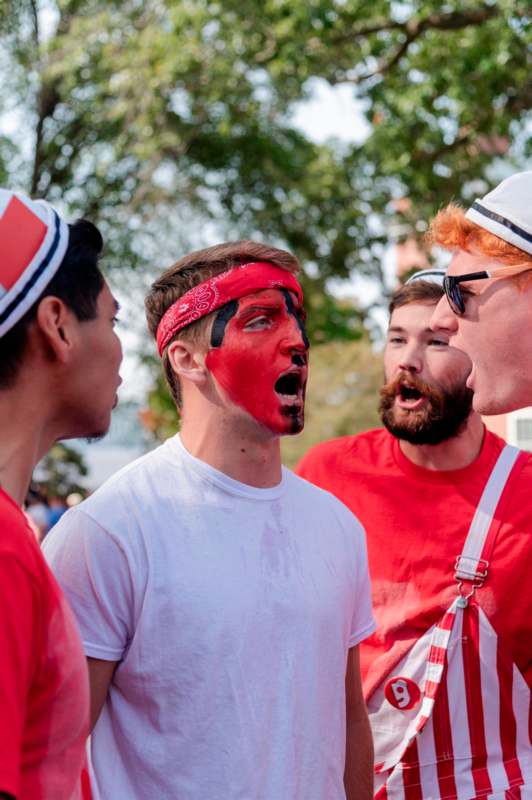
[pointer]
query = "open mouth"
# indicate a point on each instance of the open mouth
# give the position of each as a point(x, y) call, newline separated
point(290, 386)
point(409, 397)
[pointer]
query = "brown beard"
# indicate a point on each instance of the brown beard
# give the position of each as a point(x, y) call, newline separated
point(442, 417)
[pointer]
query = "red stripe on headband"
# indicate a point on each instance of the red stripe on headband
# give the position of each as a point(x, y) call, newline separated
point(21, 234)
point(216, 292)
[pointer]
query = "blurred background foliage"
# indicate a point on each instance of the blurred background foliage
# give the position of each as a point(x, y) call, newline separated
point(170, 123)
point(61, 472)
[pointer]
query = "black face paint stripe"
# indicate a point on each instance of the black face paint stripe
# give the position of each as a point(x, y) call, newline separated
point(290, 307)
point(225, 313)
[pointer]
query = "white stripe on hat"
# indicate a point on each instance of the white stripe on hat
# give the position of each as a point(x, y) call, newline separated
point(37, 274)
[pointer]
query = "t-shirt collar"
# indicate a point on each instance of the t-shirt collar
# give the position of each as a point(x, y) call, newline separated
point(220, 479)
point(485, 459)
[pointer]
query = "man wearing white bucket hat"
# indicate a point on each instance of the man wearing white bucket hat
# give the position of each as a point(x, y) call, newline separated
point(488, 285)
point(59, 360)
point(445, 506)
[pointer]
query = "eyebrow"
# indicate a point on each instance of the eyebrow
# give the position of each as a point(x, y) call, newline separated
point(398, 329)
point(252, 309)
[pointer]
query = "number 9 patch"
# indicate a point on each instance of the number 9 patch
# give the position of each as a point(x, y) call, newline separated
point(402, 693)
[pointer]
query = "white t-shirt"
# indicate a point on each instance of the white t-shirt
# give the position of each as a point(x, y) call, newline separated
point(231, 610)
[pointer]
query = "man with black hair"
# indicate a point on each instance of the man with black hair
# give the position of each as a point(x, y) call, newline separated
point(59, 361)
point(445, 505)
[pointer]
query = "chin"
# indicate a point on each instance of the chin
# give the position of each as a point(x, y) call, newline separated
point(491, 406)
point(297, 426)
point(95, 430)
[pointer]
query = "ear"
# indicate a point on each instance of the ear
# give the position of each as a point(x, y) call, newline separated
point(188, 361)
point(57, 324)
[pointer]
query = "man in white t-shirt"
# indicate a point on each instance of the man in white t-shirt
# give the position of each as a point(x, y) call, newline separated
point(221, 599)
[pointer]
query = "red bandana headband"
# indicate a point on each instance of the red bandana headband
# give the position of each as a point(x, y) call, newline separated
point(216, 292)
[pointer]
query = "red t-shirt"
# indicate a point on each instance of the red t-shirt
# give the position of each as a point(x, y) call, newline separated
point(44, 692)
point(416, 522)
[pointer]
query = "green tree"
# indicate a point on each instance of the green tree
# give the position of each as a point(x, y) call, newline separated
point(155, 116)
point(61, 471)
point(170, 122)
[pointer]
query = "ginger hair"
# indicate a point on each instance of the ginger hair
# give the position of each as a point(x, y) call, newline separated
point(451, 230)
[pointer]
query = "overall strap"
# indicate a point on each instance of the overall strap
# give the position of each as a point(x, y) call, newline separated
point(473, 564)
point(472, 567)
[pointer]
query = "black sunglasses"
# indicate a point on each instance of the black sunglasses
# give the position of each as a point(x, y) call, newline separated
point(451, 286)
point(451, 283)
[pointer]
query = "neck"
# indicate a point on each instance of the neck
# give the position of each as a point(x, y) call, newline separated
point(235, 450)
point(455, 453)
point(24, 438)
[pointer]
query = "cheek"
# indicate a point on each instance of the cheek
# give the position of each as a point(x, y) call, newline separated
point(390, 363)
point(118, 350)
point(224, 365)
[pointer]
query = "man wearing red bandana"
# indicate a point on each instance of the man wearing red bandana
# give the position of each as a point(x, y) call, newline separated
point(222, 599)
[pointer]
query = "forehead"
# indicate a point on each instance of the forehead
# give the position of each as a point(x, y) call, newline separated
point(106, 300)
point(265, 298)
point(413, 318)
point(463, 262)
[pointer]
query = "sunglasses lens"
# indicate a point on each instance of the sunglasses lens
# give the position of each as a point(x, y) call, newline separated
point(454, 296)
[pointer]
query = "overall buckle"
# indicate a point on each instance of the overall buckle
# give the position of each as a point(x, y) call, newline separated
point(473, 571)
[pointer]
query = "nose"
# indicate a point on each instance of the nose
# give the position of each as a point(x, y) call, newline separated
point(443, 318)
point(411, 359)
point(295, 341)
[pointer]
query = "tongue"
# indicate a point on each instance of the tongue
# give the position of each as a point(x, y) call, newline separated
point(410, 402)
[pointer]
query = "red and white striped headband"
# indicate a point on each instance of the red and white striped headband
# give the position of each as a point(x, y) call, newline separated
point(216, 292)
point(33, 241)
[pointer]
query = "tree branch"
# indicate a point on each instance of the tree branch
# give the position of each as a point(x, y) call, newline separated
point(414, 28)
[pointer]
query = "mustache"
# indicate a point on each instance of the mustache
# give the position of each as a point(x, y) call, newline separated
point(390, 390)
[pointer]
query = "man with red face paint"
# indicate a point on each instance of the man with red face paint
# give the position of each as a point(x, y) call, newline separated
point(222, 599)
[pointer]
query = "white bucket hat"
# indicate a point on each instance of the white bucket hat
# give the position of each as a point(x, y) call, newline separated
point(33, 242)
point(507, 211)
point(433, 275)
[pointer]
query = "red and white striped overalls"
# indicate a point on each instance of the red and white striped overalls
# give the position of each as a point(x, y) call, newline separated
point(455, 719)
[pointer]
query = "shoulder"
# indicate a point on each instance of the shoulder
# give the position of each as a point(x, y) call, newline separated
point(142, 478)
point(17, 541)
point(25, 579)
point(315, 501)
point(521, 488)
point(346, 451)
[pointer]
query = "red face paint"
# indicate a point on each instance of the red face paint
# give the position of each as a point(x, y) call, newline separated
point(261, 362)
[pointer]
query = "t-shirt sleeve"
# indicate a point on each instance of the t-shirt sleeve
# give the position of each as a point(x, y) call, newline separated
point(363, 623)
point(20, 641)
point(93, 571)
